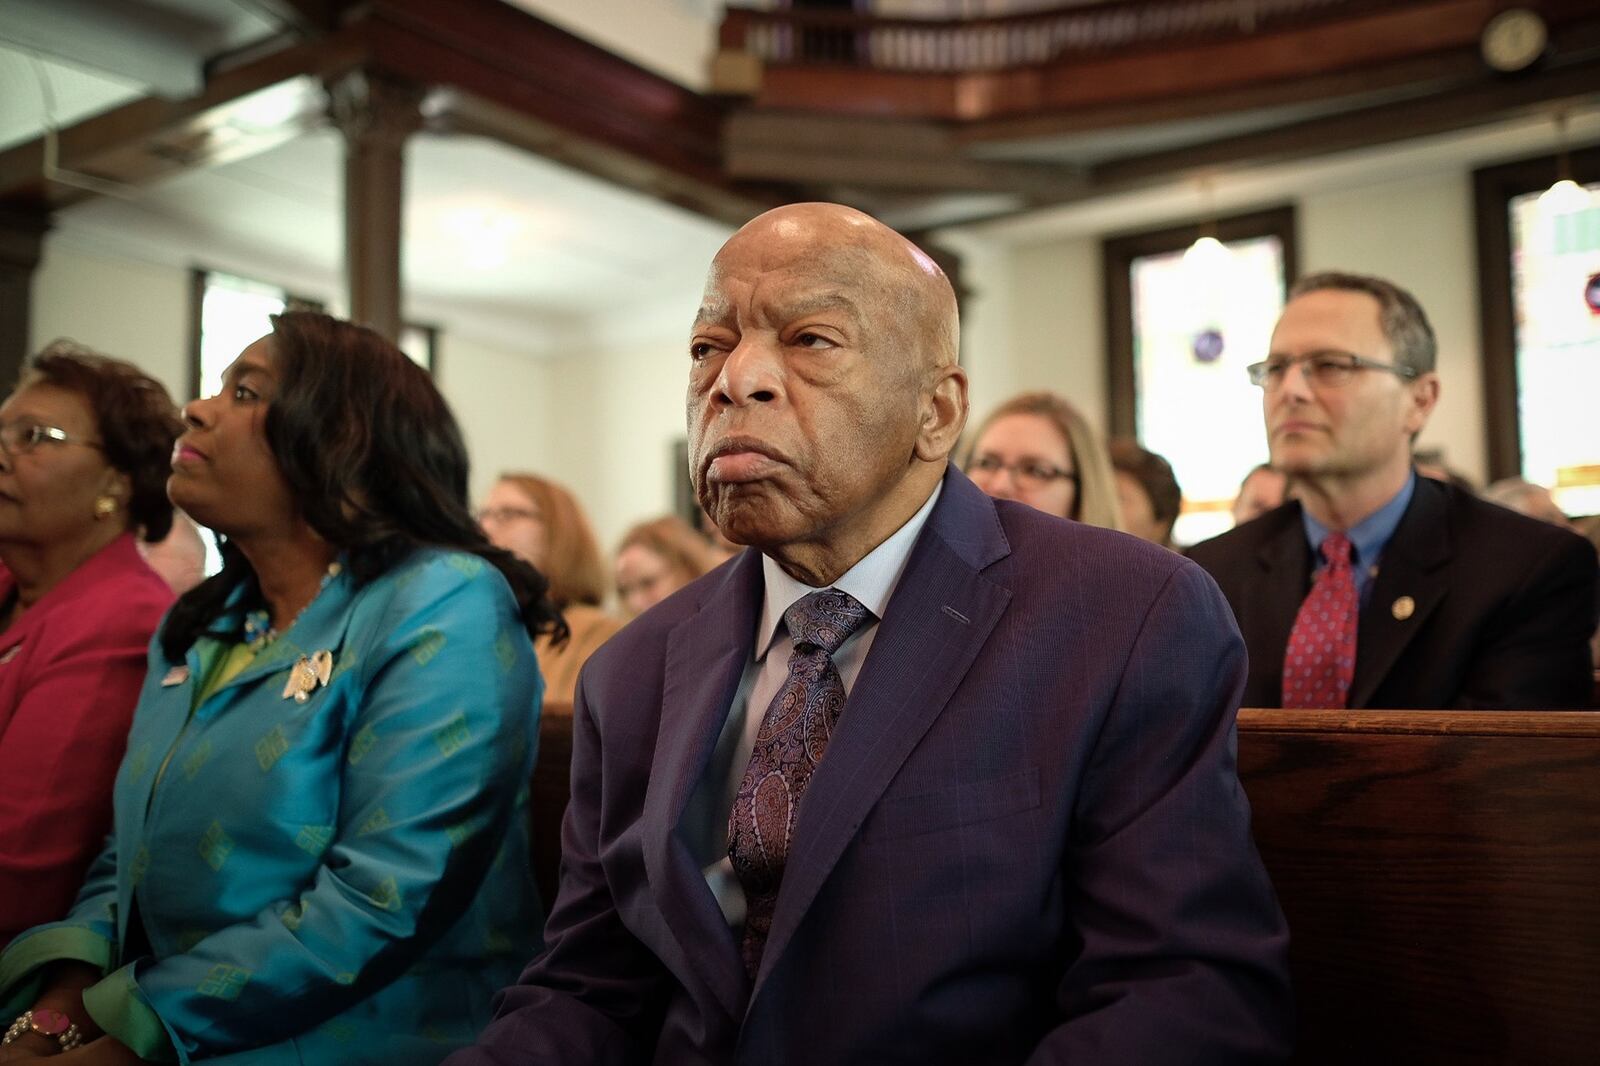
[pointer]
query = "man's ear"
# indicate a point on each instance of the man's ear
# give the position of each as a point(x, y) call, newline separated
point(1423, 399)
point(944, 413)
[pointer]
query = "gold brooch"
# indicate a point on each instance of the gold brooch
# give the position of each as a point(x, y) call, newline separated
point(307, 675)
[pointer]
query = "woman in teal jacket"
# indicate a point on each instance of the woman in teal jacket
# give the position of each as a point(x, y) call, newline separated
point(319, 853)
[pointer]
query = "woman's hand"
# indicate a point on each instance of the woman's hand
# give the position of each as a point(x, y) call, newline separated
point(16, 1051)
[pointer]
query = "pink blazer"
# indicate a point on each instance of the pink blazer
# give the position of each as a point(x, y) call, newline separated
point(70, 671)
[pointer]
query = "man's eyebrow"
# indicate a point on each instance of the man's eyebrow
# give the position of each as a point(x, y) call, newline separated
point(710, 313)
point(829, 301)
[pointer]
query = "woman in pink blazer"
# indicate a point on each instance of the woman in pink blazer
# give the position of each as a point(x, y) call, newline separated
point(85, 450)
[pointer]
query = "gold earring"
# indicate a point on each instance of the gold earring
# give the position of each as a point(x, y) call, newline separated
point(104, 507)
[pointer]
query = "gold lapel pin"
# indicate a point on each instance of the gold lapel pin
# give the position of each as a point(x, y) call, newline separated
point(176, 676)
point(307, 675)
point(1403, 608)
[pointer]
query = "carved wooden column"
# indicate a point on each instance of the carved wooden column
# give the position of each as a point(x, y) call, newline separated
point(376, 115)
point(22, 233)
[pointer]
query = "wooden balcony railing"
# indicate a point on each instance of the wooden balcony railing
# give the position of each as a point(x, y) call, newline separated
point(953, 46)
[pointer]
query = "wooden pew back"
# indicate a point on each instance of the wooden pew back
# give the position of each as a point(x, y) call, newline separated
point(1440, 871)
point(1441, 876)
point(551, 787)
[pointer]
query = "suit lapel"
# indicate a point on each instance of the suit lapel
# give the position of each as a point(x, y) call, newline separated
point(705, 658)
point(1413, 566)
point(1272, 604)
point(938, 619)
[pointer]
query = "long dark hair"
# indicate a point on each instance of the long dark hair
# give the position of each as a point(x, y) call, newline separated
point(376, 460)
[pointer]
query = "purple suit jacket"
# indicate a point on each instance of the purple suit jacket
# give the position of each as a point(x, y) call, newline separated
point(1027, 841)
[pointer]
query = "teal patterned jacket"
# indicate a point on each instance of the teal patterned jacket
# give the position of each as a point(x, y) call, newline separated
point(340, 880)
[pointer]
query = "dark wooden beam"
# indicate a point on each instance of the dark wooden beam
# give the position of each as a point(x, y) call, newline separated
point(376, 114)
point(872, 153)
point(1489, 100)
point(22, 234)
point(149, 139)
point(307, 17)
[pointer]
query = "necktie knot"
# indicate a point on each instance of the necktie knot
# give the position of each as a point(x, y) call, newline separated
point(824, 619)
point(1336, 549)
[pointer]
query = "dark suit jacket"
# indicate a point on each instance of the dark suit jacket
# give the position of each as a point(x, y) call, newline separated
point(1502, 606)
point(1027, 841)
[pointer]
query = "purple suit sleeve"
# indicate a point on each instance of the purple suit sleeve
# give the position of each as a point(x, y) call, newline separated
point(595, 994)
point(1182, 950)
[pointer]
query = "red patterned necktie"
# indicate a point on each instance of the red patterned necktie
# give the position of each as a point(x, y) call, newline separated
point(794, 734)
point(1320, 661)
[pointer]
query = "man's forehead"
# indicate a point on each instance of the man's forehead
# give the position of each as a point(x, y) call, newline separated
point(1331, 317)
point(839, 278)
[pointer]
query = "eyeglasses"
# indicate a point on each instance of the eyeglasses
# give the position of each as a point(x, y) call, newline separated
point(1028, 474)
point(1324, 369)
point(502, 515)
point(20, 438)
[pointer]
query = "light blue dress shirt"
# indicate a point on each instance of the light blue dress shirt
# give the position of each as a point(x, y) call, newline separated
point(1368, 537)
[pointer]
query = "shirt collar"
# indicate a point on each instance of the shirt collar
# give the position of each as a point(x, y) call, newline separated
point(871, 581)
point(1370, 535)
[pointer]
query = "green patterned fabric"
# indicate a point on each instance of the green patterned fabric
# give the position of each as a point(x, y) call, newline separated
point(342, 879)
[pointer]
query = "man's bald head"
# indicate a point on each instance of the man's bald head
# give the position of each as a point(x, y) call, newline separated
point(895, 283)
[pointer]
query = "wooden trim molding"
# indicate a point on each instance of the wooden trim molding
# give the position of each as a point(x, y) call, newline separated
point(1493, 190)
point(1117, 256)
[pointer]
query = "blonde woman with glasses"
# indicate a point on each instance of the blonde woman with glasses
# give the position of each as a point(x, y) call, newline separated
point(1038, 449)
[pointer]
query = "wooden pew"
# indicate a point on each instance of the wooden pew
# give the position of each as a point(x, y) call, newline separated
point(1441, 876)
point(1440, 872)
point(551, 786)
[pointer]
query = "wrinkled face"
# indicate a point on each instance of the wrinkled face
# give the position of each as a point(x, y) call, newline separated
point(511, 520)
point(1346, 430)
point(48, 491)
point(644, 578)
point(223, 471)
point(1027, 460)
point(1261, 492)
point(803, 400)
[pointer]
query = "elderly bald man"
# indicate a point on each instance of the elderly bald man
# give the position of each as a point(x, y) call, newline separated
point(920, 776)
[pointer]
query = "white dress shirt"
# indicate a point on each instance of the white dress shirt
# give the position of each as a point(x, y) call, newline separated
point(872, 582)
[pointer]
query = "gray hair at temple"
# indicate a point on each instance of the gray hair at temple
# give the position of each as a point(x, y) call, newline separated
point(1402, 318)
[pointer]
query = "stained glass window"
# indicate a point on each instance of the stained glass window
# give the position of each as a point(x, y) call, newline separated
point(1555, 285)
point(1199, 318)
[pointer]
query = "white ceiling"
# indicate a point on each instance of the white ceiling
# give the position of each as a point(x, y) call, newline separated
point(503, 244)
point(30, 83)
point(1230, 190)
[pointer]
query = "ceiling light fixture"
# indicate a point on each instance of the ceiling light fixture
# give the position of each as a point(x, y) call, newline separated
point(1566, 195)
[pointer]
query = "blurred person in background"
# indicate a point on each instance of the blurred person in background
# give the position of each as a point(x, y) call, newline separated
point(656, 559)
point(85, 448)
point(541, 523)
point(180, 556)
point(1147, 492)
point(1038, 449)
point(1525, 497)
point(1263, 489)
point(318, 854)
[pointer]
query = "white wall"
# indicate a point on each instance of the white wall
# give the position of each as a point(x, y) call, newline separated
point(1419, 233)
point(136, 311)
point(603, 417)
point(1042, 308)
point(141, 311)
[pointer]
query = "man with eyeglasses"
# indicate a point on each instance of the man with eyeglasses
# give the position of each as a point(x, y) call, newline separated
point(1376, 587)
